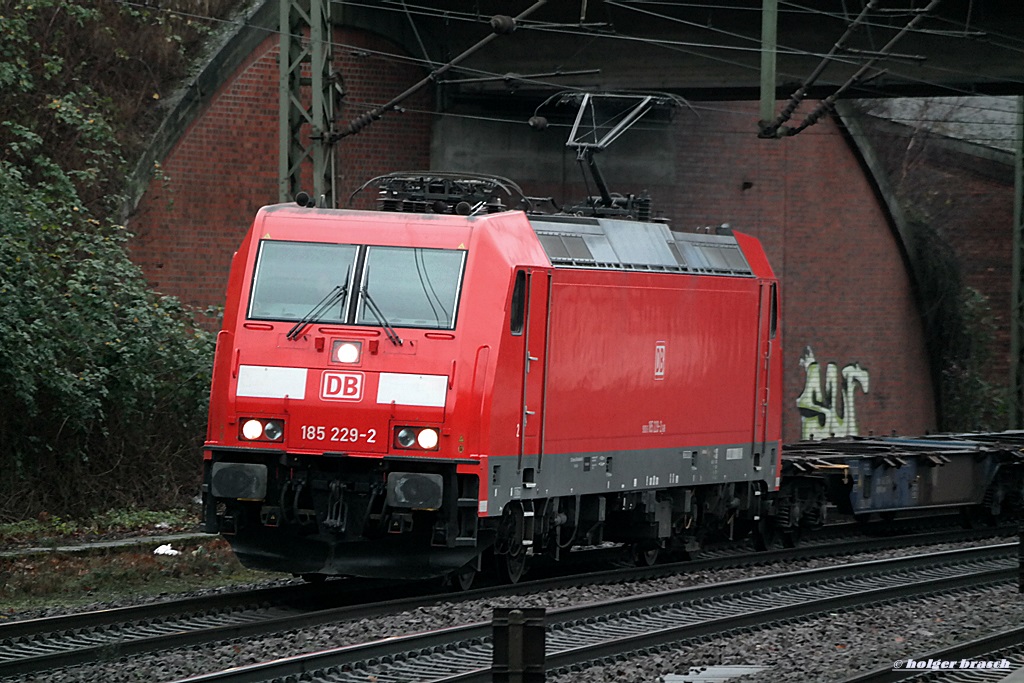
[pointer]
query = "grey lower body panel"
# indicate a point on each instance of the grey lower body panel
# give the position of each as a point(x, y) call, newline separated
point(571, 474)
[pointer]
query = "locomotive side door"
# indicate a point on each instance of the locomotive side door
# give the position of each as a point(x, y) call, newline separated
point(767, 328)
point(536, 291)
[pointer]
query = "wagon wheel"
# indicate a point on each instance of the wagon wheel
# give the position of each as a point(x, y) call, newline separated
point(765, 534)
point(791, 537)
point(862, 518)
point(969, 517)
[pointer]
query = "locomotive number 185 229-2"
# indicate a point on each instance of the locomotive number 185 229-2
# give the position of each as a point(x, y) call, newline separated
point(339, 434)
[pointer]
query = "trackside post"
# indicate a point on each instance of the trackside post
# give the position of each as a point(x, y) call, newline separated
point(518, 645)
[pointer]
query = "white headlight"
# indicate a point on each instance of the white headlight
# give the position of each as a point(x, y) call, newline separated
point(252, 429)
point(427, 439)
point(346, 352)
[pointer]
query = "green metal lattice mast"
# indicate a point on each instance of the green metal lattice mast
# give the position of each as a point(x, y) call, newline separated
point(305, 131)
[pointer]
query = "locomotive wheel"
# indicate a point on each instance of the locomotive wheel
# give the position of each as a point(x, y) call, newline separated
point(791, 537)
point(509, 550)
point(462, 579)
point(511, 567)
point(644, 554)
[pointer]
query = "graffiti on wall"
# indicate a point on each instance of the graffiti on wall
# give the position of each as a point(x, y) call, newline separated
point(828, 409)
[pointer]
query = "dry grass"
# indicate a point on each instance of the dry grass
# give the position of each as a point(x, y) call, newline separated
point(124, 574)
point(51, 578)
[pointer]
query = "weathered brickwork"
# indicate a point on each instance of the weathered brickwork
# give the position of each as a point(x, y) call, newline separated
point(964, 193)
point(847, 296)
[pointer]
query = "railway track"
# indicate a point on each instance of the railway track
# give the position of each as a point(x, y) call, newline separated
point(56, 642)
point(577, 636)
point(1006, 647)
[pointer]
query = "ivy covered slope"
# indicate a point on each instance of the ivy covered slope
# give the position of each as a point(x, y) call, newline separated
point(104, 383)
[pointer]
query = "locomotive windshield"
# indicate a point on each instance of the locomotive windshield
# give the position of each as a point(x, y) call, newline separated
point(292, 278)
point(411, 287)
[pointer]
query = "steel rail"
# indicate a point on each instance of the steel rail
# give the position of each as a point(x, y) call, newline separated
point(56, 642)
point(993, 645)
point(591, 632)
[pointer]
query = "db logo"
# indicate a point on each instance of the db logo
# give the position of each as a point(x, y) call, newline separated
point(341, 386)
point(659, 360)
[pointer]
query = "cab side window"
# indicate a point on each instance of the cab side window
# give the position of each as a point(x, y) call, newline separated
point(518, 304)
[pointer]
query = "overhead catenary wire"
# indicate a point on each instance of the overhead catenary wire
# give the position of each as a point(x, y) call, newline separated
point(769, 129)
point(543, 26)
point(416, 32)
point(501, 25)
point(561, 28)
point(827, 103)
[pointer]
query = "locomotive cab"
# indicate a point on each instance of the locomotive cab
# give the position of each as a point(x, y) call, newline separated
point(397, 391)
point(349, 382)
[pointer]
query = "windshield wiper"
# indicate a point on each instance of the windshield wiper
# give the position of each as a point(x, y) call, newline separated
point(334, 296)
point(375, 309)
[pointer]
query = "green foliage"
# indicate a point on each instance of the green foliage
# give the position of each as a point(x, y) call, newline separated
point(78, 84)
point(105, 383)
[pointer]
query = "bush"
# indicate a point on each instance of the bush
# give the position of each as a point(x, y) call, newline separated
point(80, 83)
point(105, 384)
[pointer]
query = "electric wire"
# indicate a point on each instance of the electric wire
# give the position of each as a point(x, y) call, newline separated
point(416, 32)
point(969, 75)
point(396, 58)
point(836, 58)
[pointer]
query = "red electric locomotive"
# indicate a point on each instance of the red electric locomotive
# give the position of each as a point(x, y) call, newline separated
point(396, 392)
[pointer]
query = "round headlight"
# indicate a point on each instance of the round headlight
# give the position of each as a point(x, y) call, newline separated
point(406, 437)
point(427, 439)
point(346, 352)
point(273, 430)
point(252, 429)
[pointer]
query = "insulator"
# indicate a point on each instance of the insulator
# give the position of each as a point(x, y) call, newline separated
point(503, 24)
point(363, 121)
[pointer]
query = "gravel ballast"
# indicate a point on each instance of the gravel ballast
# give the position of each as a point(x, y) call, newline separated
point(821, 649)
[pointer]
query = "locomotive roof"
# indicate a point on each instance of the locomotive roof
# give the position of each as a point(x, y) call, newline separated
point(618, 244)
